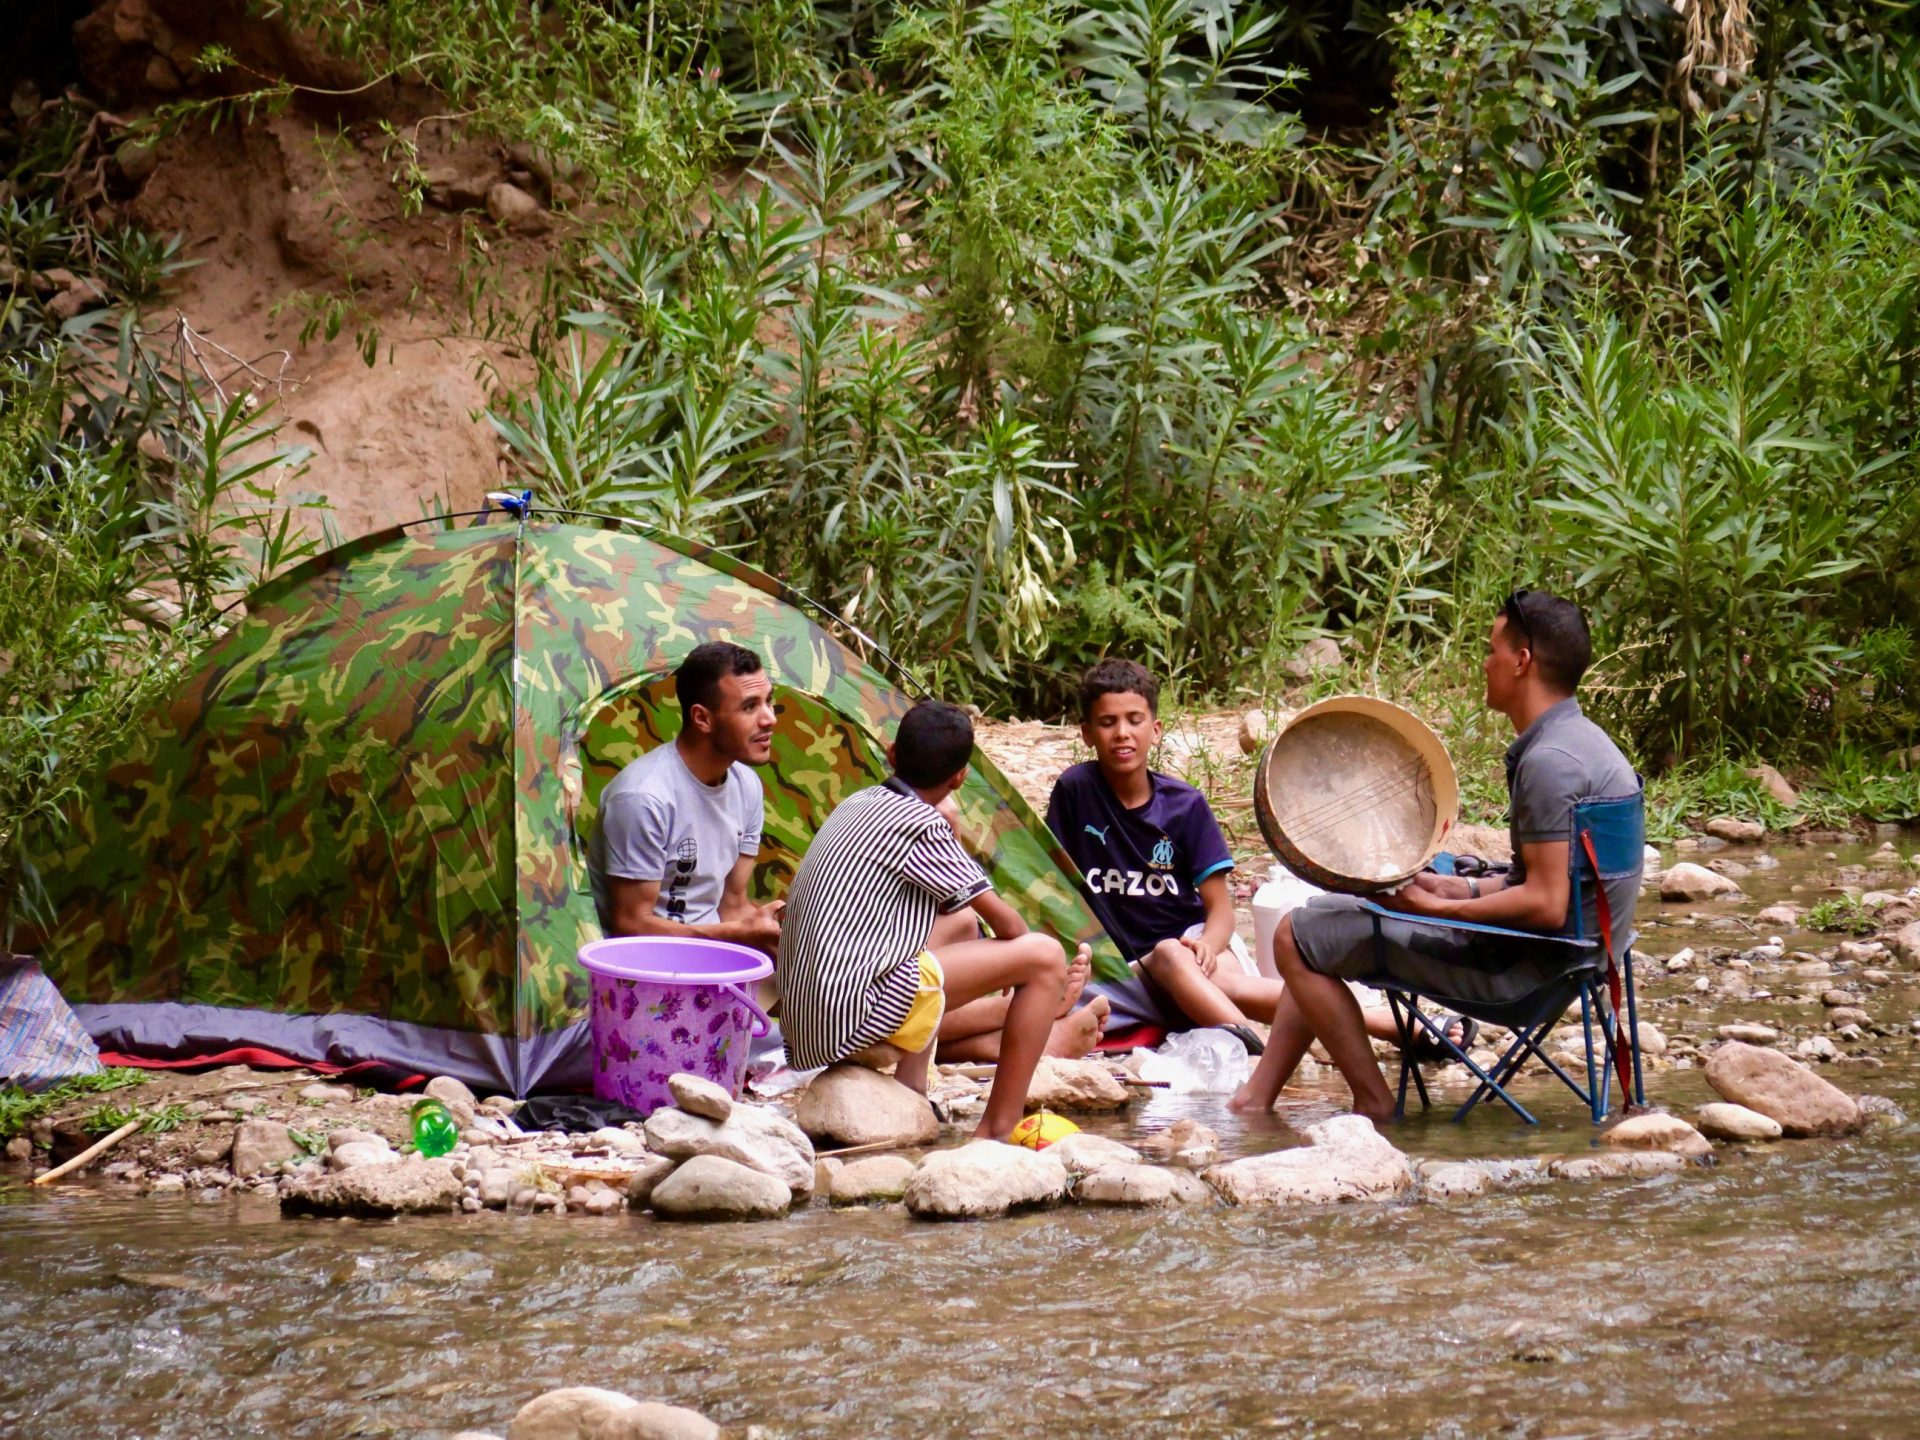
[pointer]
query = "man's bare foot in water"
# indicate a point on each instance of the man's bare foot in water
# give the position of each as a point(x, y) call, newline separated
point(1078, 969)
point(1075, 1035)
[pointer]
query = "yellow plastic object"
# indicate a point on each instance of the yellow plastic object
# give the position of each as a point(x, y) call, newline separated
point(1041, 1129)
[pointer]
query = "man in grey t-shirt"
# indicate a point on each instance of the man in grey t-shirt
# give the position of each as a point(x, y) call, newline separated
point(674, 842)
point(1537, 652)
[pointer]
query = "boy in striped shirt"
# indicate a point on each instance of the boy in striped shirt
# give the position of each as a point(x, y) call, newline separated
point(880, 934)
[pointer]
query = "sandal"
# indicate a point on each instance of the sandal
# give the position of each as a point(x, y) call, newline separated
point(1426, 1050)
point(1244, 1034)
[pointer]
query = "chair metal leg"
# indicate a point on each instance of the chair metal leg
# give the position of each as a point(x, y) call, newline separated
point(1403, 1022)
point(1595, 1102)
point(1633, 1029)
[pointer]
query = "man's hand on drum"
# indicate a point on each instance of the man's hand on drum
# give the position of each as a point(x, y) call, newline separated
point(1447, 887)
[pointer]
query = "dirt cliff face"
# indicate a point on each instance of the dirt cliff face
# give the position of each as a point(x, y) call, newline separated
point(296, 217)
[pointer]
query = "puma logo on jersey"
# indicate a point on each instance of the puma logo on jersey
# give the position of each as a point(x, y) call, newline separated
point(1097, 832)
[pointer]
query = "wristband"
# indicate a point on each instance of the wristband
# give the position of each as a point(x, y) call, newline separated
point(1473, 888)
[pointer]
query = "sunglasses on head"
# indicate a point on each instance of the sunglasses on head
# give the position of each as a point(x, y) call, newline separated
point(1513, 610)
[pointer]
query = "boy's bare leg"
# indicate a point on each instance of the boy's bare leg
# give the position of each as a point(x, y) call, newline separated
point(1258, 996)
point(1072, 1037)
point(912, 1069)
point(1315, 1005)
point(1034, 967)
point(1174, 969)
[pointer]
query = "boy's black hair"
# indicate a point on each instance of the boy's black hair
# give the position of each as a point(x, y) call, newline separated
point(933, 744)
point(1555, 631)
point(1118, 677)
point(697, 681)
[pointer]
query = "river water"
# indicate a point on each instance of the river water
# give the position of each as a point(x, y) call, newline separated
point(1774, 1293)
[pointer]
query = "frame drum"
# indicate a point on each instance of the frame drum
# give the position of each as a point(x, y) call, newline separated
point(1356, 794)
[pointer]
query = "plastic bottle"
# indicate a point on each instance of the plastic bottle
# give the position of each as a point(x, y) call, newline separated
point(434, 1132)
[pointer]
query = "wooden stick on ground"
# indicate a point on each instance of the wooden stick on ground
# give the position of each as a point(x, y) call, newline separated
point(862, 1149)
point(91, 1153)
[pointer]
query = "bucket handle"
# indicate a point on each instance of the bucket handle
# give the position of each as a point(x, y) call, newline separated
point(763, 1023)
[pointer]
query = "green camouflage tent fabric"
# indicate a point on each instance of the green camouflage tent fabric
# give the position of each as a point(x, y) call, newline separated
point(357, 830)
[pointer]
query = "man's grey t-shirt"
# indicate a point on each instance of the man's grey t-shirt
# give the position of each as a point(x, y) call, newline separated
point(658, 821)
point(1558, 761)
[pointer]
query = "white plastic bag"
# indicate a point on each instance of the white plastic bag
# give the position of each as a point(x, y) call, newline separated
point(1197, 1062)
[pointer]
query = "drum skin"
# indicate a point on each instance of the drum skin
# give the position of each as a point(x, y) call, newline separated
point(1352, 779)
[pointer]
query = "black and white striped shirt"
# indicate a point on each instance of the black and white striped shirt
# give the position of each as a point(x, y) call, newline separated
point(858, 915)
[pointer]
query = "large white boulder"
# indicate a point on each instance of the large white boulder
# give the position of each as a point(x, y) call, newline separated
point(1782, 1089)
point(711, 1187)
point(982, 1179)
point(1347, 1160)
point(751, 1135)
point(852, 1105)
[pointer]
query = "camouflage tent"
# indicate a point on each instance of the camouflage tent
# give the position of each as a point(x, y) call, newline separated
point(357, 831)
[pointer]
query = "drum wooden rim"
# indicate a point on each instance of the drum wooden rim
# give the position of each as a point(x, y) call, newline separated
point(1419, 736)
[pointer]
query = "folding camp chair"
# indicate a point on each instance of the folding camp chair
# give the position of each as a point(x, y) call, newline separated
point(1609, 837)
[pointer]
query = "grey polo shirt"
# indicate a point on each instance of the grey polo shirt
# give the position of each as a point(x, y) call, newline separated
point(1558, 761)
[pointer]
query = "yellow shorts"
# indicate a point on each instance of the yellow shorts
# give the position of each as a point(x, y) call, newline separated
point(916, 1032)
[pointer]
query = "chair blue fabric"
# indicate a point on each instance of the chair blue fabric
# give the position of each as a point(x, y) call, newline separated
point(1608, 841)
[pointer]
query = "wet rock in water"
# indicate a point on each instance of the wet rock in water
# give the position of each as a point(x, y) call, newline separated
point(1141, 1186)
point(320, 1093)
point(1781, 1088)
point(871, 1181)
point(1732, 869)
point(1347, 1159)
point(1723, 1120)
point(570, 1414)
point(1740, 832)
point(1455, 1182)
point(852, 1105)
point(1860, 952)
point(1835, 997)
point(1657, 1132)
point(1681, 959)
point(1818, 1048)
point(751, 1136)
point(651, 1420)
point(699, 1096)
point(167, 1185)
point(1080, 1086)
point(1904, 944)
point(1687, 881)
point(1619, 1165)
point(453, 1094)
point(1652, 1041)
point(1843, 1016)
point(712, 1187)
point(1185, 1142)
point(259, 1144)
point(414, 1186)
point(1879, 1110)
point(1778, 915)
point(1083, 1153)
point(1748, 1033)
point(1876, 977)
point(648, 1173)
point(984, 1178)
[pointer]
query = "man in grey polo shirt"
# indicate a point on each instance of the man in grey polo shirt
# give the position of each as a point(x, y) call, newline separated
point(673, 845)
point(1537, 652)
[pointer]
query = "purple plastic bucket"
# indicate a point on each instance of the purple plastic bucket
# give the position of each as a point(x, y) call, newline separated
point(666, 1006)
